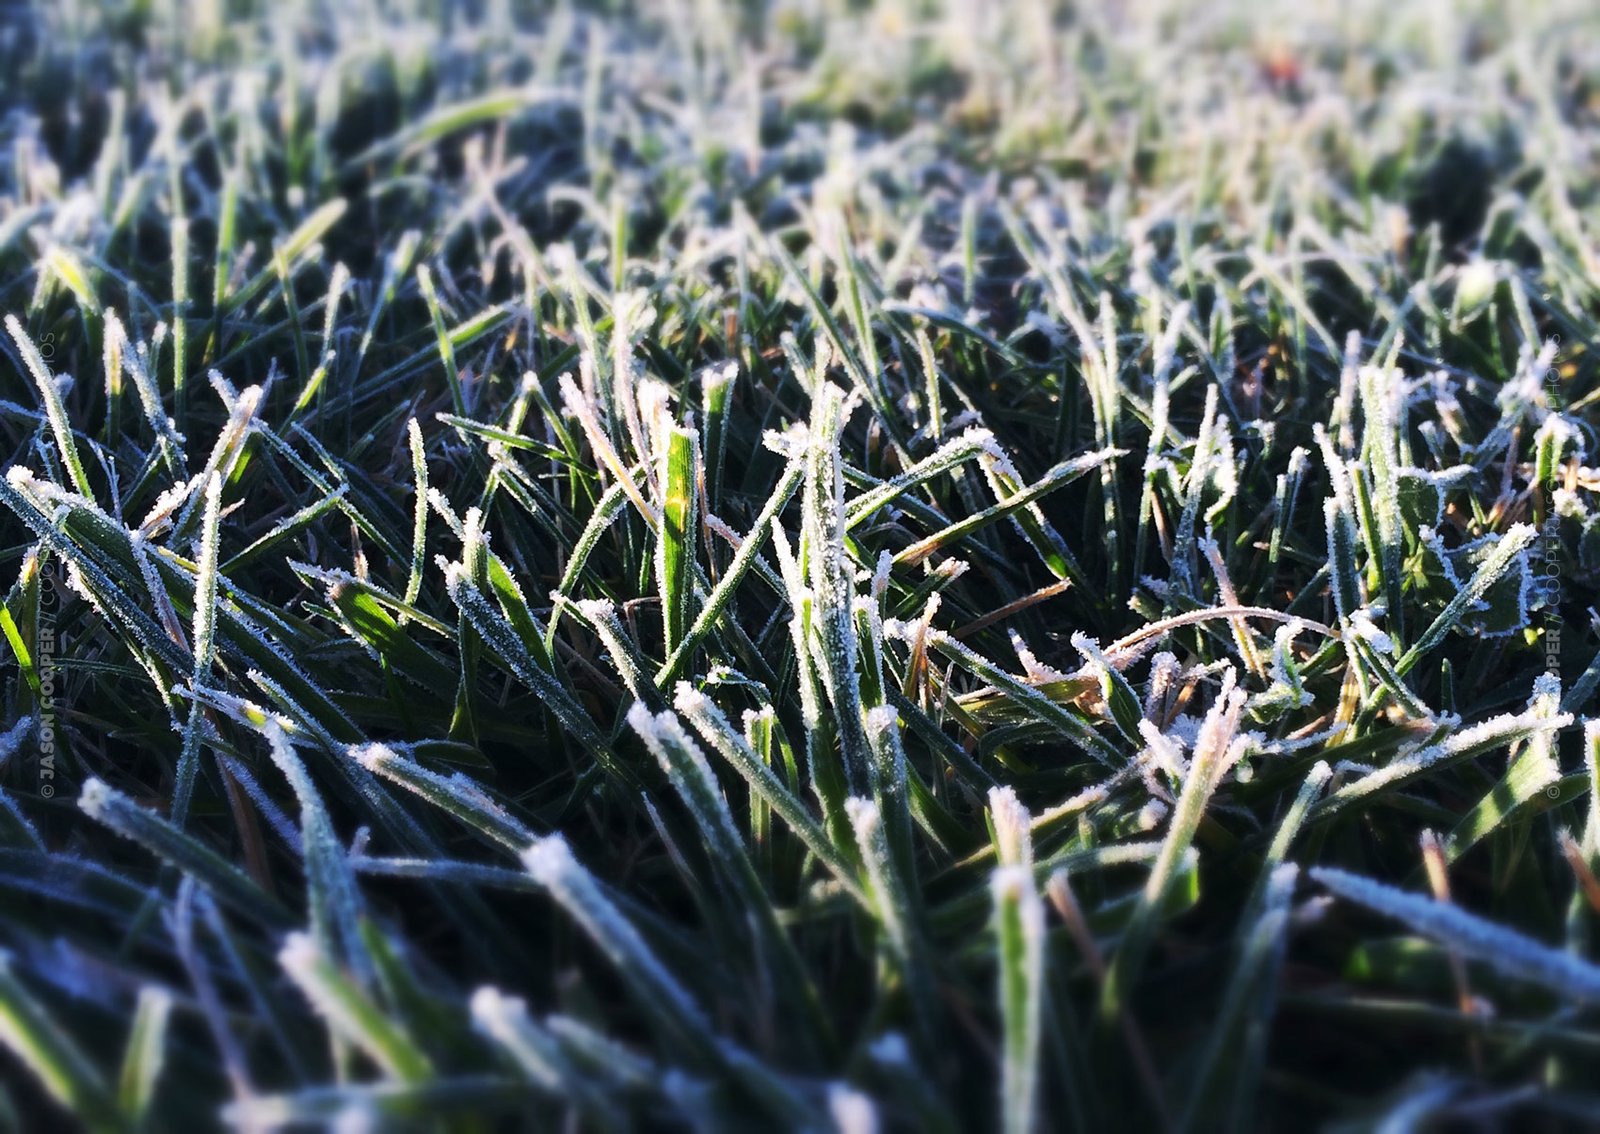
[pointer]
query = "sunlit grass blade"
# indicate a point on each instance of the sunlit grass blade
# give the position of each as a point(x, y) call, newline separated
point(350, 1013)
point(1019, 947)
point(144, 1055)
point(38, 1040)
point(679, 534)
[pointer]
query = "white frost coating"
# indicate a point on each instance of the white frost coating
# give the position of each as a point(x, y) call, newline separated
point(1341, 550)
point(298, 955)
point(205, 588)
point(1220, 723)
point(852, 1111)
point(94, 797)
point(1184, 729)
point(372, 757)
point(1036, 672)
point(355, 1118)
point(64, 499)
point(881, 720)
point(80, 587)
point(719, 374)
point(549, 861)
point(899, 629)
point(166, 504)
point(1151, 815)
point(880, 579)
point(314, 975)
point(866, 822)
point(1160, 754)
point(13, 737)
point(440, 504)
point(1338, 473)
point(1285, 635)
point(680, 758)
point(1547, 686)
point(1556, 428)
point(505, 1020)
point(1012, 828)
point(454, 574)
point(1497, 730)
point(1591, 757)
point(1164, 672)
point(790, 442)
point(490, 1006)
point(1013, 888)
point(1011, 883)
point(1444, 479)
point(1537, 766)
point(1285, 676)
point(689, 700)
point(1280, 885)
point(655, 407)
point(1096, 663)
point(1517, 538)
point(473, 537)
point(993, 453)
point(653, 731)
point(1361, 622)
point(1505, 950)
point(1569, 505)
point(1222, 472)
point(949, 570)
point(226, 390)
point(865, 818)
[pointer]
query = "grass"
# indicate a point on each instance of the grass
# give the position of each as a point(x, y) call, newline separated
point(750, 566)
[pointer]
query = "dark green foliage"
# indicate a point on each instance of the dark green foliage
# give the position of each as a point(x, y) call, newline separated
point(751, 566)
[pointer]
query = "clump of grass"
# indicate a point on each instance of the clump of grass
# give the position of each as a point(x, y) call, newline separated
point(771, 566)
